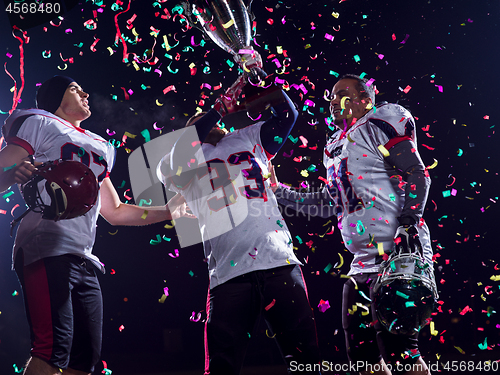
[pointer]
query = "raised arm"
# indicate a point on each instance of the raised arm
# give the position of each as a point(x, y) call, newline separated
point(117, 213)
point(276, 129)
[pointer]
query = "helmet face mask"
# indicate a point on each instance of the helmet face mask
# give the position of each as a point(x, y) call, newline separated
point(71, 186)
point(405, 293)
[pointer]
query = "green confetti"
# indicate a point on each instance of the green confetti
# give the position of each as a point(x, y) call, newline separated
point(446, 193)
point(278, 139)
point(157, 241)
point(328, 267)
point(233, 264)
point(334, 73)
point(360, 228)
point(146, 135)
point(299, 239)
point(294, 140)
point(460, 152)
point(398, 293)
point(7, 168)
point(357, 58)
point(392, 197)
point(411, 195)
point(410, 304)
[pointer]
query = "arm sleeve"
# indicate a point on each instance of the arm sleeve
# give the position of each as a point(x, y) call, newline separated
point(318, 204)
point(279, 124)
point(183, 163)
point(406, 160)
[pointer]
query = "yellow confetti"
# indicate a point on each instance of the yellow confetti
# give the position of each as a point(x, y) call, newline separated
point(460, 349)
point(335, 14)
point(343, 100)
point(231, 198)
point(158, 103)
point(304, 173)
point(192, 65)
point(228, 24)
point(495, 278)
point(365, 309)
point(134, 32)
point(110, 51)
point(380, 248)
point(162, 299)
point(113, 233)
point(144, 215)
point(383, 150)
point(179, 170)
point(170, 226)
point(433, 164)
point(349, 138)
point(130, 135)
point(341, 261)
point(271, 337)
point(434, 332)
point(279, 49)
point(135, 66)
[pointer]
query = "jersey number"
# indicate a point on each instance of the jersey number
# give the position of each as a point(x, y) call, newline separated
point(221, 179)
point(70, 149)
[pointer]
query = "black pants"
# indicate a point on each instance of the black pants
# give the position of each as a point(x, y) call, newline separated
point(367, 341)
point(234, 310)
point(63, 305)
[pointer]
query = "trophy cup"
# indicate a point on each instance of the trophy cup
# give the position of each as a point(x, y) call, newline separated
point(227, 23)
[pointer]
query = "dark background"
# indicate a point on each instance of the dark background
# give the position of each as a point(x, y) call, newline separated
point(422, 44)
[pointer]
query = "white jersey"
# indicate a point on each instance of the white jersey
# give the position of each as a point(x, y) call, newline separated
point(48, 137)
point(240, 223)
point(368, 194)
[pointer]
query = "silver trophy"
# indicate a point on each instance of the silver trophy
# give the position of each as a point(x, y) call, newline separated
point(227, 23)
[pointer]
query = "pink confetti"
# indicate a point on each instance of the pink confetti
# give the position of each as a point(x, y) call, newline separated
point(329, 37)
point(323, 305)
point(270, 305)
point(176, 251)
point(304, 141)
point(169, 88)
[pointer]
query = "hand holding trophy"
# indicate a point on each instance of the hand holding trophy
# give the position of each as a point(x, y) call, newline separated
point(227, 23)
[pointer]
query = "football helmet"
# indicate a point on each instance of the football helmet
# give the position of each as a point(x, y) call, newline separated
point(405, 293)
point(71, 186)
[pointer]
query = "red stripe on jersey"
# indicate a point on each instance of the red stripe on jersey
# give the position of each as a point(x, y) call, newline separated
point(269, 155)
point(394, 141)
point(21, 143)
point(38, 299)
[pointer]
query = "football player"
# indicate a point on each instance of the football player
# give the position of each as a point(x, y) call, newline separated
point(253, 270)
point(53, 258)
point(377, 185)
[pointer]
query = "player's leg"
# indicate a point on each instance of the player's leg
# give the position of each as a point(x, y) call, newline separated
point(87, 310)
point(232, 316)
point(46, 292)
point(290, 318)
point(360, 335)
point(399, 351)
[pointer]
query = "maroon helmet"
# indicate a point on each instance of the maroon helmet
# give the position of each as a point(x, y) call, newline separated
point(71, 185)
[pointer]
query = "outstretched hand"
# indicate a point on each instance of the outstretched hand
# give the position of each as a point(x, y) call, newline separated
point(179, 208)
point(273, 179)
